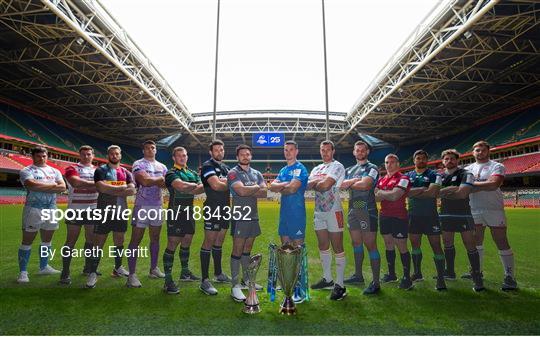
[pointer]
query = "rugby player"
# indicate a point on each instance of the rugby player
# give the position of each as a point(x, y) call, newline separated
point(361, 180)
point(149, 177)
point(392, 191)
point(82, 195)
point(487, 208)
point(42, 183)
point(325, 179)
point(214, 178)
point(114, 184)
point(291, 182)
point(246, 185)
point(183, 184)
point(423, 216)
point(455, 216)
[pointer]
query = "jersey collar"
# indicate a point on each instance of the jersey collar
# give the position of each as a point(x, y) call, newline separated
point(181, 168)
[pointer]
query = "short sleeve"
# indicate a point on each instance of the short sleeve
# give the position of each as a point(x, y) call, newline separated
point(499, 170)
point(303, 174)
point(58, 175)
point(99, 174)
point(336, 172)
point(348, 172)
point(373, 173)
point(25, 175)
point(129, 177)
point(197, 177)
point(170, 177)
point(260, 178)
point(138, 167)
point(436, 178)
point(467, 178)
point(232, 177)
point(207, 171)
point(404, 182)
point(71, 172)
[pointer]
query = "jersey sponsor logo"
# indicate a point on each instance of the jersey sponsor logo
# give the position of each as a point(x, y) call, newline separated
point(403, 183)
point(114, 183)
point(373, 173)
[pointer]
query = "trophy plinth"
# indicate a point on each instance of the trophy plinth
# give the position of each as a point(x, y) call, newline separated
point(287, 307)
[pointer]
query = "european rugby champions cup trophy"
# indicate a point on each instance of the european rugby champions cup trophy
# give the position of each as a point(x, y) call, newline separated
point(289, 260)
point(251, 304)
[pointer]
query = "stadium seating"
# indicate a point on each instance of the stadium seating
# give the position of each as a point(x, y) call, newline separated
point(521, 164)
point(26, 161)
point(9, 164)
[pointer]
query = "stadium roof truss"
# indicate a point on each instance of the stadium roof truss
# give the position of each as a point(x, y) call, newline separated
point(469, 60)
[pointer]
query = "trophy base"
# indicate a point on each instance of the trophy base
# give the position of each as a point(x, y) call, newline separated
point(252, 308)
point(287, 307)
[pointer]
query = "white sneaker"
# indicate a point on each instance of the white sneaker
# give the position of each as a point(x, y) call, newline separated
point(23, 277)
point(120, 272)
point(91, 280)
point(133, 281)
point(237, 294)
point(48, 270)
point(156, 273)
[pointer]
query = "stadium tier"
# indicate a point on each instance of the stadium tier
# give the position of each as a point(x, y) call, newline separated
point(521, 164)
point(9, 164)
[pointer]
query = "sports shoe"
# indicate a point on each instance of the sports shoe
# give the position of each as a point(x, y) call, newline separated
point(156, 273)
point(237, 294)
point(298, 298)
point(222, 278)
point(133, 281)
point(372, 289)
point(171, 288)
point(323, 284)
point(120, 272)
point(244, 286)
point(23, 277)
point(91, 280)
point(417, 277)
point(207, 288)
point(387, 278)
point(441, 284)
point(187, 276)
point(65, 280)
point(48, 270)
point(354, 279)
point(478, 282)
point(405, 283)
point(338, 293)
point(509, 283)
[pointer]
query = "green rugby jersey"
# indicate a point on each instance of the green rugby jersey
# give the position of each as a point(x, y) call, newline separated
point(177, 198)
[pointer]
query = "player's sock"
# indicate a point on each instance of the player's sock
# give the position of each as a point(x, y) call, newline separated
point(450, 256)
point(205, 262)
point(340, 268)
point(118, 250)
point(474, 260)
point(507, 259)
point(154, 254)
point(24, 256)
point(235, 269)
point(391, 261)
point(439, 265)
point(481, 255)
point(417, 260)
point(44, 254)
point(132, 259)
point(358, 259)
point(216, 256)
point(94, 263)
point(326, 261)
point(244, 261)
point(168, 261)
point(66, 260)
point(184, 258)
point(87, 248)
point(406, 262)
point(375, 261)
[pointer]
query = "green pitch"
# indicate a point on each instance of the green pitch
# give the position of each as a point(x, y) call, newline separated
point(45, 308)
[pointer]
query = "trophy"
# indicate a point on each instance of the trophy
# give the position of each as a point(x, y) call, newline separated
point(289, 259)
point(251, 304)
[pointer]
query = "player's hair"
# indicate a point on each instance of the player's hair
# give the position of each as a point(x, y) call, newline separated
point(38, 149)
point(292, 142)
point(419, 152)
point(452, 152)
point(215, 142)
point(327, 142)
point(481, 143)
point(243, 147)
point(392, 155)
point(113, 147)
point(151, 142)
point(178, 149)
point(362, 143)
point(86, 148)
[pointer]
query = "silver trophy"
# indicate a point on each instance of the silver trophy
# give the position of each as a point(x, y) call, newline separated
point(251, 304)
point(289, 260)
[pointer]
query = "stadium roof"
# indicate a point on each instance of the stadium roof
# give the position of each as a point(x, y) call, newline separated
point(72, 62)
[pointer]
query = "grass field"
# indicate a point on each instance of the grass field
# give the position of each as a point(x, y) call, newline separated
point(44, 308)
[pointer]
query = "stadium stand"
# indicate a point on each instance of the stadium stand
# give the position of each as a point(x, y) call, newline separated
point(9, 164)
point(521, 164)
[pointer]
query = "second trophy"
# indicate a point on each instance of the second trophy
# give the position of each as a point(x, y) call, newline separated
point(289, 259)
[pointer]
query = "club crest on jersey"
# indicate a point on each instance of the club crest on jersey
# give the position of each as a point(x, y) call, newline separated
point(363, 224)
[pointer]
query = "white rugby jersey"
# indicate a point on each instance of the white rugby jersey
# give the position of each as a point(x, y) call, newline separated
point(81, 198)
point(486, 200)
point(330, 200)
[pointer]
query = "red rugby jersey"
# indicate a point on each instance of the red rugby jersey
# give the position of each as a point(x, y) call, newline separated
point(395, 209)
